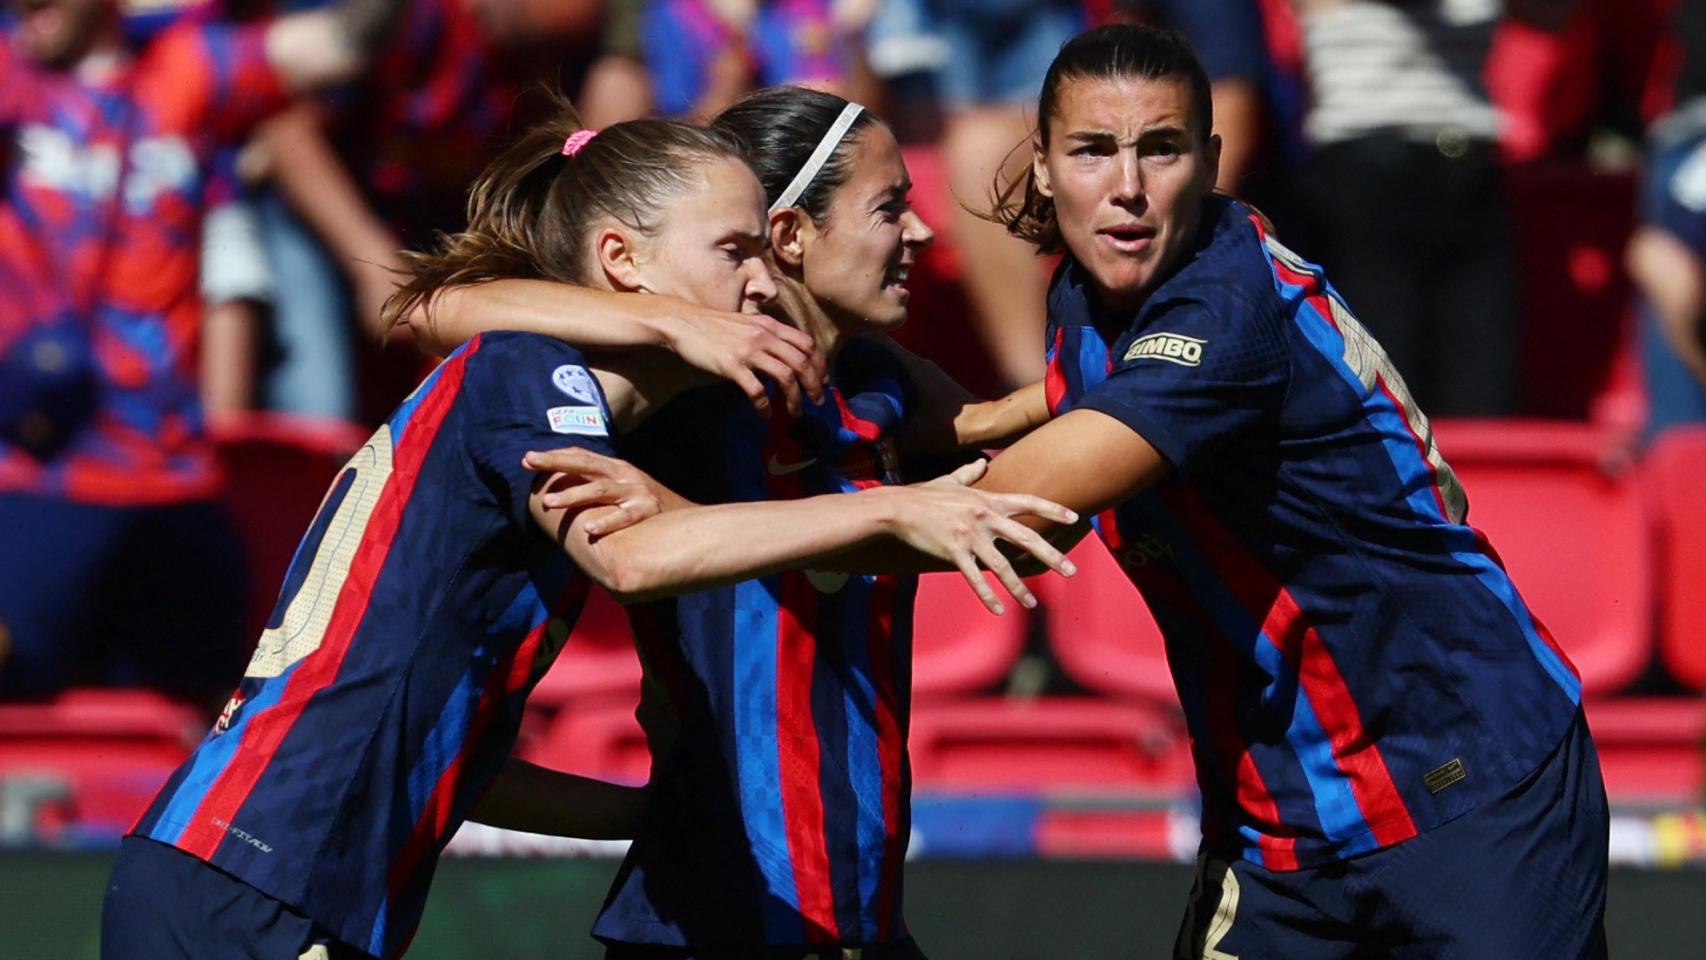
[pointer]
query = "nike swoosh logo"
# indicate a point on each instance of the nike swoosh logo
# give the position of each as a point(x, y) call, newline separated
point(780, 469)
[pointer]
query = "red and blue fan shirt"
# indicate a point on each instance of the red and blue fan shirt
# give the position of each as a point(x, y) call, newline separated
point(1354, 664)
point(420, 609)
point(780, 814)
point(788, 41)
point(100, 224)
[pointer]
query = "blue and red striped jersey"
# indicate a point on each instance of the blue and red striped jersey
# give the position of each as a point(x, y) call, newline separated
point(100, 223)
point(1354, 664)
point(421, 607)
point(779, 815)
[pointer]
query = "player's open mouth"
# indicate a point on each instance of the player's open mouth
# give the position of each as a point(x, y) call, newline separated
point(895, 279)
point(1130, 238)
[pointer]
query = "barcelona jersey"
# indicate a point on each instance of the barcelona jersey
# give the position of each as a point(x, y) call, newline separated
point(779, 817)
point(387, 690)
point(100, 224)
point(1354, 664)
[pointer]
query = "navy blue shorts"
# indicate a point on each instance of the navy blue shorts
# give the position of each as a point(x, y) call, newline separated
point(1520, 878)
point(163, 904)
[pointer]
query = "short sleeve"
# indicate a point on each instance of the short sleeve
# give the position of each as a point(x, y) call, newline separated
point(523, 392)
point(1197, 378)
point(1676, 194)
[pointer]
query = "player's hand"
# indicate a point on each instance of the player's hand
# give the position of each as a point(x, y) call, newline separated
point(585, 479)
point(949, 520)
point(744, 347)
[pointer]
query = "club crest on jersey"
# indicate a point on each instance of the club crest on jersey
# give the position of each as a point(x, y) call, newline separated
point(581, 421)
point(576, 382)
point(1171, 347)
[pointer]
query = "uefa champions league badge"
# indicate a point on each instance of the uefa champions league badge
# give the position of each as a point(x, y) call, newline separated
point(576, 382)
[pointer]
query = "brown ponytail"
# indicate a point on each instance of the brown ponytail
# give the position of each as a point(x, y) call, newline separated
point(529, 212)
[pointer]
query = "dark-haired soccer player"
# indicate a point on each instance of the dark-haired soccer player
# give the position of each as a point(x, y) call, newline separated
point(1390, 747)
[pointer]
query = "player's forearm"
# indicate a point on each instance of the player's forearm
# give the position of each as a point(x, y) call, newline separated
point(534, 799)
point(997, 423)
point(588, 318)
point(1673, 281)
point(321, 189)
point(682, 551)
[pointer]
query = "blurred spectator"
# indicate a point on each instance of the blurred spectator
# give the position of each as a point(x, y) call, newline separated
point(617, 87)
point(385, 165)
point(1403, 191)
point(118, 564)
point(1667, 255)
point(998, 51)
point(702, 55)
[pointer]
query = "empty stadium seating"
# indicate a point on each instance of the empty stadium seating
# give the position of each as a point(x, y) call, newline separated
point(82, 767)
point(958, 646)
point(1049, 745)
point(595, 737)
point(1650, 749)
point(1572, 535)
point(1676, 484)
point(1101, 631)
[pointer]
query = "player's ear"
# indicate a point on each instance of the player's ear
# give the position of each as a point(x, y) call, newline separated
point(790, 231)
point(620, 258)
point(1039, 168)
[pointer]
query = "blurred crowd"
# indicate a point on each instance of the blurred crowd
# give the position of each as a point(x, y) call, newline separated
point(1424, 151)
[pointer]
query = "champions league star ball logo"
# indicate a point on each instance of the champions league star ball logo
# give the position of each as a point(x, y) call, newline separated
point(576, 382)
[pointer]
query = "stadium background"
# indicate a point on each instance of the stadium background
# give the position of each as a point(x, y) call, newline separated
point(1054, 805)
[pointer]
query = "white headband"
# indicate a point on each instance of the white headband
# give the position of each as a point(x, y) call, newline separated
point(831, 139)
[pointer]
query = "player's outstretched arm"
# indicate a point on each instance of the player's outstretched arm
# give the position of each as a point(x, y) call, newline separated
point(738, 347)
point(534, 799)
point(676, 551)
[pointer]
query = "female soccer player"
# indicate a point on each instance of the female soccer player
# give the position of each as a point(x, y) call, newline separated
point(1390, 747)
point(779, 816)
point(436, 584)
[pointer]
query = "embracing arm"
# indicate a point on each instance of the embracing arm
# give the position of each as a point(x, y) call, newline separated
point(535, 799)
point(735, 346)
point(680, 550)
point(1085, 461)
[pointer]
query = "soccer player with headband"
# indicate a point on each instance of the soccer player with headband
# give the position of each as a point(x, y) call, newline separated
point(443, 573)
point(779, 818)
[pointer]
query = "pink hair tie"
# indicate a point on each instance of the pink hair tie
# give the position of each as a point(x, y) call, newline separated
point(577, 140)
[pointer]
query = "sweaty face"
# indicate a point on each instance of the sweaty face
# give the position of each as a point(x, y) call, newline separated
point(857, 260)
point(56, 33)
point(710, 248)
point(1128, 175)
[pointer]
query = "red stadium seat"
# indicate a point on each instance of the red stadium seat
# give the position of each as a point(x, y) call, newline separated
point(1101, 631)
point(1650, 749)
point(595, 737)
point(1572, 536)
point(1052, 745)
point(597, 660)
point(957, 645)
point(1674, 470)
point(277, 469)
point(93, 758)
